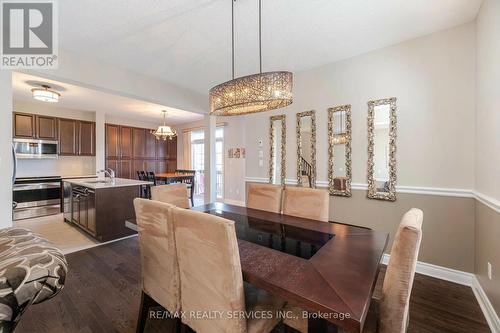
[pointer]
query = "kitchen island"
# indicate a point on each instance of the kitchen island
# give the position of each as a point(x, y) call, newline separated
point(101, 206)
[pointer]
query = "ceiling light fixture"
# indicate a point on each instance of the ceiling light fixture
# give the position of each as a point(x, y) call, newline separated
point(164, 132)
point(252, 93)
point(44, 94)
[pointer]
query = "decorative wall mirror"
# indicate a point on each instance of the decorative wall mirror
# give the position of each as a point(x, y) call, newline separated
point(339, 150)
point(277, 151)
point(382, 149)
point(306, 149)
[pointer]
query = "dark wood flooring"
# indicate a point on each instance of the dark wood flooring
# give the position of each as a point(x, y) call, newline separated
point(102, 294)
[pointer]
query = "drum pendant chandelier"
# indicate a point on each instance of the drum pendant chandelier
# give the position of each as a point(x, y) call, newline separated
point(253, 93)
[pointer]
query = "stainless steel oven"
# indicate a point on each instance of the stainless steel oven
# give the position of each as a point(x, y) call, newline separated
point(37, 196)
point(32, 148)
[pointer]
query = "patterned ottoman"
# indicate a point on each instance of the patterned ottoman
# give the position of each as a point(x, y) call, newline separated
point(32, 270)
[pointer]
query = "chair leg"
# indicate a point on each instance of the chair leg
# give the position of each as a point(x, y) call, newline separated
point(146, 303)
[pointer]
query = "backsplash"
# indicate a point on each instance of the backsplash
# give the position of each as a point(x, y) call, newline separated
point(63, 166)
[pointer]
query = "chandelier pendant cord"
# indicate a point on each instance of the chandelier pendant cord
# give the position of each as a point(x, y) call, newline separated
point(232, 36)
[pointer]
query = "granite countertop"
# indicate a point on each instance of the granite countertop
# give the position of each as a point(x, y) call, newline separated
point(100, 183)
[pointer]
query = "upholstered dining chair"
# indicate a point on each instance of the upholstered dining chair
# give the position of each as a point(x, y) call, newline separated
point(265, 197)
point(159, 267)
point(211, 277)
point(306, 203)
point(174, 194)
point(390, 313)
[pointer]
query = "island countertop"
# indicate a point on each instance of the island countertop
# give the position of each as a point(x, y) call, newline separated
point(100, 183)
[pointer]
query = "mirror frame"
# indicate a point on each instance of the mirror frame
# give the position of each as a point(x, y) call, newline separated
point(300, 115)
point(348, 163)
point(272, 119)
point(372, 189)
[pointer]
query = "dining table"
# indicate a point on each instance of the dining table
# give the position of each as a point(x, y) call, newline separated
point(327, 269)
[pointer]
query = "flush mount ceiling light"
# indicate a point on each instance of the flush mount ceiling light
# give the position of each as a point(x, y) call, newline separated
point(164, 132)
point(252, 93)
point(44, 94)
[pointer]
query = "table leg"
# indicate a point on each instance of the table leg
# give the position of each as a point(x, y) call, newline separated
point(317, 325)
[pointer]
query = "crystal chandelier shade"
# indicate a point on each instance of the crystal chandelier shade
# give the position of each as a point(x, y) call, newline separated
point(253, 93)
point(164, 132)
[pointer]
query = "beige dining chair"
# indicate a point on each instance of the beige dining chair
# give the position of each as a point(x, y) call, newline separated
point(174, 194)
point(265, 197)
point(159, 267)
point(390, 313)
point(307, 203)
point(211, 277)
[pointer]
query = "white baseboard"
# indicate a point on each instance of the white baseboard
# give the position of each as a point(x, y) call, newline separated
point(463, 278)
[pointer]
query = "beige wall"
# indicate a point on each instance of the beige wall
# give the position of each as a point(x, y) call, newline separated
point(487, 163)
point(433, 78)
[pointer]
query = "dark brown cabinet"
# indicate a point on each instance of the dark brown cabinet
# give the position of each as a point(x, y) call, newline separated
point(34, 127)
point(86, 138)
point(112, 141)
point(131, 149)
point(139, 142)
point(126, 142)
point(68, 139)
point(75, 137)
point(46, 127)
point(24, 125)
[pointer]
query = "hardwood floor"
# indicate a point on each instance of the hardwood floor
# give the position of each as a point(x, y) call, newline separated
point(102, 294)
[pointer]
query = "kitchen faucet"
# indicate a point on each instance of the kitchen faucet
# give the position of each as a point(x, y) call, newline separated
point(109, 172)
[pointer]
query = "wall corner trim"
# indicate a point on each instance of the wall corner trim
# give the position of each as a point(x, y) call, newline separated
point(463, 278)
point(487, 200)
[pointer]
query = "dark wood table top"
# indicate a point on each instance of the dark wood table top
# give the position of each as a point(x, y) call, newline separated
point(338, 279)
point(173, 175)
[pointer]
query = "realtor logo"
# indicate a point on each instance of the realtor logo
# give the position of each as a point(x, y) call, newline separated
point(29, 34)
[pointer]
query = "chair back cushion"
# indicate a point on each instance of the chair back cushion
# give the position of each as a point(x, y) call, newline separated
point(210, 271)
point(174, 194)
point(400, 272)
point(159, 266)
point(264, 197)
point(306, 202)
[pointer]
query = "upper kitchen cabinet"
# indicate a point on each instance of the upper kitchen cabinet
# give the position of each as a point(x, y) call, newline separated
point(139, 142)
point(112, 141)
point(126, 142)
point(76, 138)
point(161, 149)
point(68, 136)
point(150, 145)
point(30, 126)
point(46, 127)
point(86, 138)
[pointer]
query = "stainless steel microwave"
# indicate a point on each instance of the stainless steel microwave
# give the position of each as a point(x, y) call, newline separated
point(32, 148)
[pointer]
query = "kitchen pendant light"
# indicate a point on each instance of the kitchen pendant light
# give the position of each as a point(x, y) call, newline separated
point(44, 94)
point(252, 93)
point(164, 132)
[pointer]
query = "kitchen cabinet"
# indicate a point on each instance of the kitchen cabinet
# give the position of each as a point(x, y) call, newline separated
point(139, 142)
point(68, 140)
point(46, 128)
point(150, 145)
point(23, 125)
point(86, 138)
point(161, 166)
point(125, 145)
point(150, 166)
point(112, 141)
point(125, 169)
point(101, 211)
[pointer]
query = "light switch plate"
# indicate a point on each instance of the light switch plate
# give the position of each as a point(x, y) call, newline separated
point(490, 271)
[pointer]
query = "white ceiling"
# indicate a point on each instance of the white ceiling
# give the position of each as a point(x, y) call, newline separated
point(75, 97)
point(187, 42)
